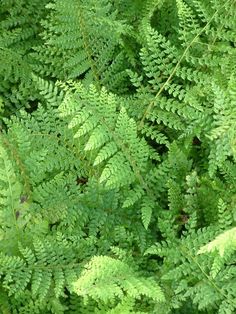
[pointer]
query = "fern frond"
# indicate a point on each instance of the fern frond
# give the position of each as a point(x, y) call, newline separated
point(111, 134)
point(83, 40)
point(111, 279)
point(11, 190)
point(225, 246)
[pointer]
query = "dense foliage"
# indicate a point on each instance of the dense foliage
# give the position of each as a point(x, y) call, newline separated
point(118, 156)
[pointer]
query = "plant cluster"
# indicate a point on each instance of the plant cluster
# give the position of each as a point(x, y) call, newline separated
point(118, 156)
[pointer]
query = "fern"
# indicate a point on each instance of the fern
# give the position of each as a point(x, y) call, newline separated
point(225, 245)
point(82, 40)
point(190, 276)
point(223, 132)
point(117, 156)
point(19, 27)
point(117, 279)
point(121, 156)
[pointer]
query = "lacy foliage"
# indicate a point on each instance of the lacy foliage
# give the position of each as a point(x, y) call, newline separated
point(117, 156)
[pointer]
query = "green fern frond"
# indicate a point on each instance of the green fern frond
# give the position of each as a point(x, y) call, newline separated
point(111, 134)
point(11, 190)
point(83, 40)
point(225, 246)
point(111, 279)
